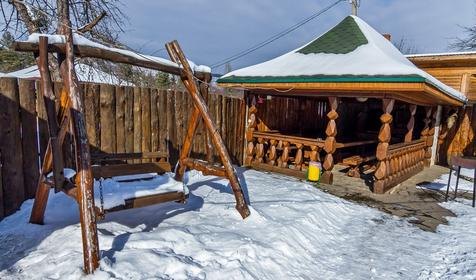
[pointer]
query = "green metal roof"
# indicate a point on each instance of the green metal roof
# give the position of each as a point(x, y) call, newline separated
point(343, 38)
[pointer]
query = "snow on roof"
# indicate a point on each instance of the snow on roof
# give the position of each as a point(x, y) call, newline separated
point(85, 73)
point(441, 54)
point(352, 51)
point(2, 74)
point(82, 41)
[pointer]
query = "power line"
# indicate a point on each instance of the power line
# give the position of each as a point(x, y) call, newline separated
point(274, 37)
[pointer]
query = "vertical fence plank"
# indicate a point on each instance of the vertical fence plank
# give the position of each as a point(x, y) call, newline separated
point(129, 121)
point(145, 119)
point(107, 118)
point(120, 120)
point(137, 122)
point(154, 120)
point(91, 106)
point(171, 131)
point(162, 111)
point(29, 137)
point(10, 147)
point(42, 122)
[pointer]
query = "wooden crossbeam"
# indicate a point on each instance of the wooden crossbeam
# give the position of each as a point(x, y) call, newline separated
point(204, 167)
point(126, 156)
point(130, 169)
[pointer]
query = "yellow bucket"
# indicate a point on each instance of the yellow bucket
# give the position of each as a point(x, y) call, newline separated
point(314, 171)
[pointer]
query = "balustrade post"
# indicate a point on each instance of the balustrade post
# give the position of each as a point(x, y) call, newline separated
point(299, 157)
point(272, 152)
point(384, 137)
point(330, 142)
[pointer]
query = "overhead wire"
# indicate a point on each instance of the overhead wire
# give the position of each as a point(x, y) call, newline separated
point(275, 37)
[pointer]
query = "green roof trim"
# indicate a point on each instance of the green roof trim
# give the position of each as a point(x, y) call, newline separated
point(343, 38)
point(323, 79)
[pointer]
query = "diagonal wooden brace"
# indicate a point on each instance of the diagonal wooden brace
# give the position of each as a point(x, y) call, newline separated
point(49, 98)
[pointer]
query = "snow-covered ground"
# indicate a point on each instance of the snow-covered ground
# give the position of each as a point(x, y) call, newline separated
point(463, 184)
point(295, 231)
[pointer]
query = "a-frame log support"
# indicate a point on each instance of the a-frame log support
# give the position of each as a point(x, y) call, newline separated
point(84, 177)
point(201, 111)
point(53, 157)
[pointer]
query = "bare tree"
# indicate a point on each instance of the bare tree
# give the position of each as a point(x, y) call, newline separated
point(404, 46)
point(97, 19)
point(468, 43)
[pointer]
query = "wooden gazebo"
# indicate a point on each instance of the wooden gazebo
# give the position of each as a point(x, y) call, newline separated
point(348, 96)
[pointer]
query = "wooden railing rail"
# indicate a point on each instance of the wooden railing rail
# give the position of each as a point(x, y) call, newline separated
point(403, 161)
point(282, 153)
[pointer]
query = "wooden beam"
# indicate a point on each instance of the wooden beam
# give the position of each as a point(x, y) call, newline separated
point(108, 171)
point(108, 54)
point(204, 167)
point(84, 178)
point(145, 201)
point(126, 156)
point(49, 98)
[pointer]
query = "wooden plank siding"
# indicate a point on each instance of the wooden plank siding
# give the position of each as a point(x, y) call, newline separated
point(119, 119)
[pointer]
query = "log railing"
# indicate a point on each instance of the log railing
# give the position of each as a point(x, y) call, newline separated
point(403, 160)
point(282, 153)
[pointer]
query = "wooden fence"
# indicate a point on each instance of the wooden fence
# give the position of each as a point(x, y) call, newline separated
point(118, 119)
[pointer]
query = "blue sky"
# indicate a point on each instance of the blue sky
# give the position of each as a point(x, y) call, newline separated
point(210, 30)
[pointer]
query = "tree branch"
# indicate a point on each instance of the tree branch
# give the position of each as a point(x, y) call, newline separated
point(30, 23)
point(88, 27)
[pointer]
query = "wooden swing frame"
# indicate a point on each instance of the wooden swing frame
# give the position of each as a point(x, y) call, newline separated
point(70, 118)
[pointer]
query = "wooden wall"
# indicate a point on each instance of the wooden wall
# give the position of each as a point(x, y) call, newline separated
point(118, 119)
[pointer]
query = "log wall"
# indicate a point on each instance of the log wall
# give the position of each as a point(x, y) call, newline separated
point(118, 119)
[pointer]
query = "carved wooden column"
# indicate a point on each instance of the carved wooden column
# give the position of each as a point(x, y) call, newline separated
point(330, 142)
point(252, 124)
point(431, 137)
point(411, 123)
point(384, 138)
point(425, 134)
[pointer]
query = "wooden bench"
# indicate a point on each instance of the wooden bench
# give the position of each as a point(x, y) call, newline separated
point(355, 164)
point(158, 163)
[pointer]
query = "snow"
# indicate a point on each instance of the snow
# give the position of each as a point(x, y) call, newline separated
point(295, 231)
point(463, 184)
point(82, 41)
point(85, 73)
point(376, 58)
point(441, 54)
point(118, 189)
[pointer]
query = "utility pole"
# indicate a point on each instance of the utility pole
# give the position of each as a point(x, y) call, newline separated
point(355, 5)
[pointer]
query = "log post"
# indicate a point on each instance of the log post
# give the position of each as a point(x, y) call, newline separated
point(384, 138)
point(330, 142)
point(84, 178)
point(251, 127)
point(427, 134)
point(411, 123)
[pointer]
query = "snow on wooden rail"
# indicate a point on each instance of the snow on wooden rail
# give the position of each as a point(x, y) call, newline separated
point(84, 47)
